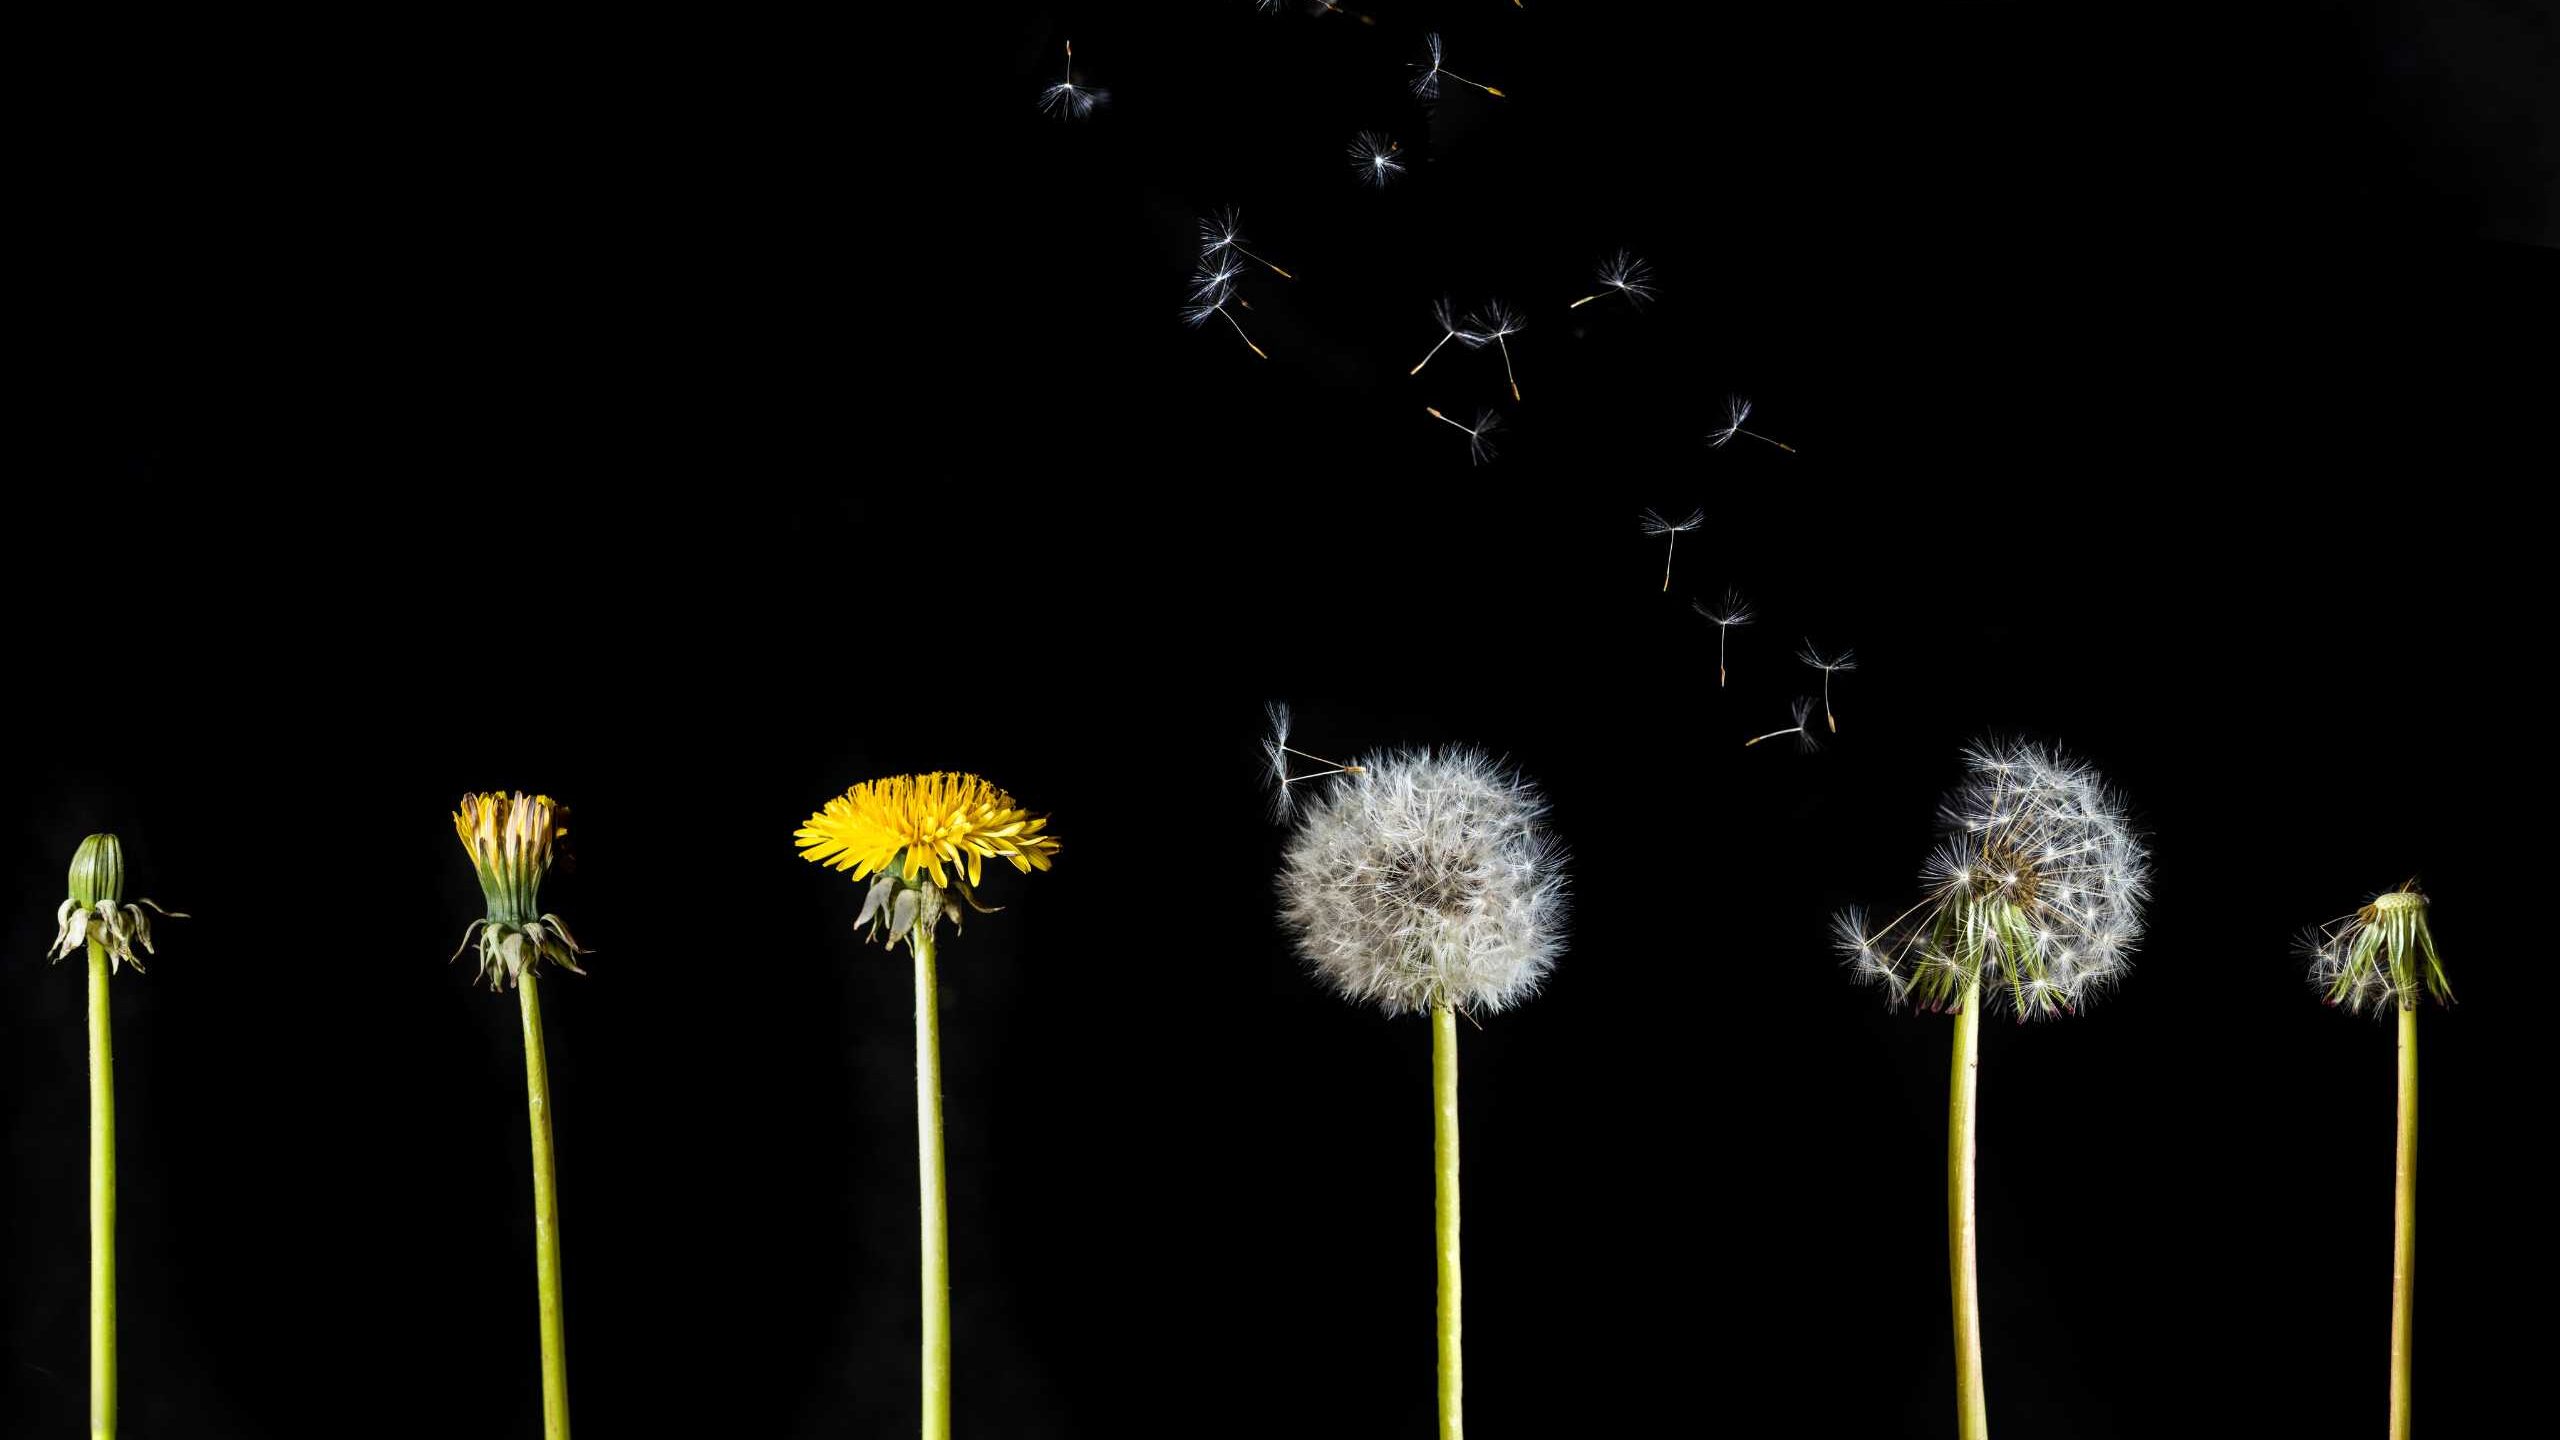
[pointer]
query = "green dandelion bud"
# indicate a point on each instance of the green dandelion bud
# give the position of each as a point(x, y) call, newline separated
point(97, 910)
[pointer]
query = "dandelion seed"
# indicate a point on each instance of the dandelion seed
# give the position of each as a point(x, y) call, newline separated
point(1219, 233)
point(1802, 709)
point(1447, 314)
point(1622, 274)
point(1734, 611)
point(1479, 448)
point(1068, 100)
point(1845, 660)
point(1738, 410)
point(1276, 749)
point(1654, 524)
point(1496, 321)
point(1374, 158)
point(1427, 84)
point(1211, 289)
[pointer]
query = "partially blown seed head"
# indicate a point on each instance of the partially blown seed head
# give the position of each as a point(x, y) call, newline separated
point(1426, 879)
point(2036, 893)
point(2382, 956)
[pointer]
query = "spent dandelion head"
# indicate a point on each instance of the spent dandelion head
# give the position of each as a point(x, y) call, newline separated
point(513, 841)
point(2035, 894)
point(1426, 879)
point(922, 841)
point(97, 911)
point(2383, 956)
point(1376, 158)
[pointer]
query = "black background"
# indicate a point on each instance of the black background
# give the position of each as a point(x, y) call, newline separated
point(658, 418)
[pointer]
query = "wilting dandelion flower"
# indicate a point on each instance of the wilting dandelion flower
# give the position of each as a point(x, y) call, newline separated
point(1621, 274)
point(1428, 883)
point(2035, 897)
point(1829, 665)
point(1494, 324)
point(1427, 84)
point(1732, 612)
point(1211, 288)
point(922, 843)
point(513, 840)
point(1375, 157)
point(1068, 100)
point(1479, 435)
point(1802, 709)
point(1219, 234)
point(1653, 524)
point(1446, 314)
point(97, 918)
point(1737, 410)
point(1275, 749)
point(2384, 955)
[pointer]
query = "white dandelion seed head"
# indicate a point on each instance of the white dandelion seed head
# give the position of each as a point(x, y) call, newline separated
point(1653, 524)
point(1629, 276)
point(1376, 157)
point(1428, 879)
point(2036, 891)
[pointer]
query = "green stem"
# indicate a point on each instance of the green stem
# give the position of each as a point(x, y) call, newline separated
point(2404, 1225)
point(1444, 1154)
point(1973, 1412)
point(102, 1202)
point(546, 1219)
point(931, 1208)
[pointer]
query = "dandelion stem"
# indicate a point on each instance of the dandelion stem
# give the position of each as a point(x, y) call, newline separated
point(2404, 1223)
point(102, 1202)
point(1973, 1414)
point(546, 1218)
point(1444, 1147)
point(933, 1219)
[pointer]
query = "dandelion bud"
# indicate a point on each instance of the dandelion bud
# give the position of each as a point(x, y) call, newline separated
point(97, 912)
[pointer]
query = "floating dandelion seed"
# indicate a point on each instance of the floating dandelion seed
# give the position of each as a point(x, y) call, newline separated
point(1373, 157)
point(1447, 314)
point(1654, 524)
point(1219, 233)
point(1275, 748)
point(1211, 289)
point(1427, 84)
point(1479, 448)
point(1625, 275)
point(1734, 611)
point(1328, 7)
point(1068, 100)
point(1738, 410)
point(1490, 325)
point(1802, 709)
point(1845, 660)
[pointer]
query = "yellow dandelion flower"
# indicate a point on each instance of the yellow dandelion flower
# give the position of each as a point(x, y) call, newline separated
point(512, 840)
point(948, 820)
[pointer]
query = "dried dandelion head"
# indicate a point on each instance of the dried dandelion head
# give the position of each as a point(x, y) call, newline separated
point(513, 839)
point(1426, 879)
point(922, 841)
point(2384, 955)
point(2036, 894)
point(97, 910)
